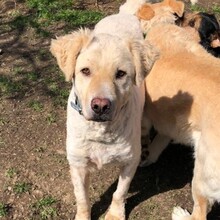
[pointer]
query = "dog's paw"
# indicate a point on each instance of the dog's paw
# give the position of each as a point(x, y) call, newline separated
point(82, 216)
point(109, 216)
point(116, 210)
point(146, 158)
point(180, 214)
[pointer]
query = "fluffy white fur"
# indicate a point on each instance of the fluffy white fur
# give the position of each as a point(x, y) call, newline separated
point(131, 6)
point(115, 44)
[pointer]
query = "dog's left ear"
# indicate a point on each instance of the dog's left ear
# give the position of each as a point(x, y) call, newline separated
point(144, 56)
point(177, 6)
point(145, 12)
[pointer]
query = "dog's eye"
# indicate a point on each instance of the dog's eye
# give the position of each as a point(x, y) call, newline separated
point(192, 23)
point(120, 74)
point(85, 71)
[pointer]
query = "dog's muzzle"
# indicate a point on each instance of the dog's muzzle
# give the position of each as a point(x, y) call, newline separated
point(101, 108)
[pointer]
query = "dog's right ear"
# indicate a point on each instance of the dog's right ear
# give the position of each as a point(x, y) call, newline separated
point(67, 48)
point(145, 12)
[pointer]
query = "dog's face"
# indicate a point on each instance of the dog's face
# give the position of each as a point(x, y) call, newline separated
point(104, 76)
point(206, 25)
point(104, 69)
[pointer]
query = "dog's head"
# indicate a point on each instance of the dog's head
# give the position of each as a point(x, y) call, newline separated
point(104, 69)
point(166, 11)
point(206, 25)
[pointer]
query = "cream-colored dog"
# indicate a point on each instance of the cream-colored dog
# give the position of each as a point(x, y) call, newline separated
point(107, 67)
point(183, 103)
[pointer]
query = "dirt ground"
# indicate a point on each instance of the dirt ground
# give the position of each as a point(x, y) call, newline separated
point(33, 161)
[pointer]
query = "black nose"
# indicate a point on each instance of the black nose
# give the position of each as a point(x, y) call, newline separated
point(100, 106)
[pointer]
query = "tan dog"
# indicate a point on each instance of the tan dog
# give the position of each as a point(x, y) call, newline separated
point(107, 67)
point(183, 104)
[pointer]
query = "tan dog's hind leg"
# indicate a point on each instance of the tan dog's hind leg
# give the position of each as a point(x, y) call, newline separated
point(80, 180)
point(158, 145)
point(200, 202)
point(117, 207)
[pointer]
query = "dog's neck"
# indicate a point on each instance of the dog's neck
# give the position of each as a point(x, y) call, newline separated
point(160, 19)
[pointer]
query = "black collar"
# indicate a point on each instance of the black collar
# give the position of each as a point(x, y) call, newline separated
point(76, 105)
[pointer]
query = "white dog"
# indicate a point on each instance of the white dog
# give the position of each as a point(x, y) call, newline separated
point(107, 67)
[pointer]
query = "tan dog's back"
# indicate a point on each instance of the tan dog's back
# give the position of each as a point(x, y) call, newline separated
point(182, 85)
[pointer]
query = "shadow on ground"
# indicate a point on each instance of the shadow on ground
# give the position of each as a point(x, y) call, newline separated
point(173, 171)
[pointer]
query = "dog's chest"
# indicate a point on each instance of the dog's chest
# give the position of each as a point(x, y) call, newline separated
point(101, 154)
point(99, 145)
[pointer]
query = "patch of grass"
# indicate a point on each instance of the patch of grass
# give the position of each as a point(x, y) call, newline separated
point(11, 172)
point(3, 121)
point(46, 201)
point(48, 212)
point(3, 210)
point(58, 92)
point(10, 87)
point(33, 76)
point(216, 9)
point(45, 207)
point(51, 118)
point(36, 105)
point(44, 54)
point(197, 8)
point(61, 97)
point(22, 22)
point(47, 11)
point(21, 187)
point(17, 70)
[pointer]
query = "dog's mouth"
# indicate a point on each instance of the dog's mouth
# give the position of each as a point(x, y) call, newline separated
point(102, 118)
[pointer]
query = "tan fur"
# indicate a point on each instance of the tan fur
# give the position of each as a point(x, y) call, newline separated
point(151, 14)
point(215, 43)
point(192, 16)
point(183, 104)
point(66, 49)
point(145, 12)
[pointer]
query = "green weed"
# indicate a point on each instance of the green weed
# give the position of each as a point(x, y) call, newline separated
point(3, 121)
point(51, 118)
point(17, 70)
point(9, 87)
point(36, 105)
point(216, 9)
point(21, 187)
point(45, 207)
point(33, 76)
point(197, 8)
point(11, 172)
point(3, 210)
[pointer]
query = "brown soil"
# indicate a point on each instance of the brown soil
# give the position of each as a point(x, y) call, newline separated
point(32, 139)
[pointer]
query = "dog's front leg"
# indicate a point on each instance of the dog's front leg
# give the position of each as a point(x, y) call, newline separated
point(80, 180)
point(117, 207)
